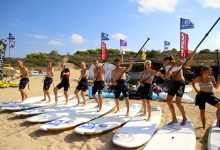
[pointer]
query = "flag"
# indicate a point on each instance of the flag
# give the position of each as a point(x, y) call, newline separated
point(166, 48)
point(3, 45)
point(12, 44)
point(144, 49)
point(186, 24)
point(123, 43)
point(122, 52)
point(103, 52)
point(166, 43)
point(104, 36)
point(11, 37)
point(144, 55)
point(184, 39)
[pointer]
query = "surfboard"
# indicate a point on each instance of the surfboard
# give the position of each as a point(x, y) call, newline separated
point(138, 131)
point(27, 101)
point(35, 104)
point(186, 98)
point(50, 108)
point(214, 137)
point(50, 116)
point(78, 118)
point(108, 122)
point(174, 137)
point(188, 89)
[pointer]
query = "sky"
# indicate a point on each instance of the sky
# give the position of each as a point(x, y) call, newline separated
point(73, 25)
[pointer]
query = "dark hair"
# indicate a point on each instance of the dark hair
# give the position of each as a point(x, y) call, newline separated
point(117, 60)
point(95, 60)
point(205, 68)
point(170, 58)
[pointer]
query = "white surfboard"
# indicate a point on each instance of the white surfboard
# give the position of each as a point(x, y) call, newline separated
point(138, 131)
point(27, 101)
point(35, 104)
point(50, 108)
point(174, 137)
point(108, 122)
point(186, 98)
point(50, 116)
point(214, 137)
point(78, 118)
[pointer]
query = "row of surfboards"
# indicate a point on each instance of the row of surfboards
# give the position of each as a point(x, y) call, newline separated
point(135, 131)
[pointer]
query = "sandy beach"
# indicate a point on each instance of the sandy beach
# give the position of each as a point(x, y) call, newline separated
point(17, 134)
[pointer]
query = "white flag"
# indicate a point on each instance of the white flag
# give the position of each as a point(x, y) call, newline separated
point(144, 49)
point(122, 52)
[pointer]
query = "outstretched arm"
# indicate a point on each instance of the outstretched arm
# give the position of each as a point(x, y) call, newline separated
point(130, 67)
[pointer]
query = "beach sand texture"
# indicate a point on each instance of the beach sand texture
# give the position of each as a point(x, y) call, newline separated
point(17, 134)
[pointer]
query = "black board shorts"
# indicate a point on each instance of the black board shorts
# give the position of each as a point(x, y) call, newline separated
point(23, 83)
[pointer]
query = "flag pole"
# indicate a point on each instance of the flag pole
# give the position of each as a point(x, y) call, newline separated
point(121, 54)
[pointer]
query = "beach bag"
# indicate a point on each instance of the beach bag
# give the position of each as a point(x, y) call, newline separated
point(166, 87)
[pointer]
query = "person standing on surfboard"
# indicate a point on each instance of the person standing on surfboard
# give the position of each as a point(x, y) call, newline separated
point(99, 83)
point(64, 77)
point(82, 83)
point(205, 94)
point(24, 80)
point(146, 78)
point(121, 84)
point(48, 79)
point(178, 86)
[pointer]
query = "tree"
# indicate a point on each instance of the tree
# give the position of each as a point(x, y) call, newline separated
point(54, 52)
point(174, 50)
point(205, 51)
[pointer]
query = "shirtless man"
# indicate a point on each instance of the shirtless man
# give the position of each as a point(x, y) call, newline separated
point(24, 80)
point(120, 84)
point(48, 79)
point(64, 77)
point(99, 83)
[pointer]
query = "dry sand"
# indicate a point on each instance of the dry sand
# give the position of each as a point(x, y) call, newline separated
point(16, 133)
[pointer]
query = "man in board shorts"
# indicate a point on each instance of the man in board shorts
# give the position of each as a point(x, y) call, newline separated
point(48, 79)
point(64, 77)
point(24, 80)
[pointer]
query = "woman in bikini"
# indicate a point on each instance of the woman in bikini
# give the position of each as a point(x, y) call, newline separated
point(205, 93)
point(178, 86)
point(82, 84)
point(146, 78)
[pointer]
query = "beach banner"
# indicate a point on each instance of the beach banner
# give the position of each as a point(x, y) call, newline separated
point(144, 56)
point(123, 43)
point(104, 36)
point(103, 52)
point(3, 44)
point(184, 39)
point(186, 24)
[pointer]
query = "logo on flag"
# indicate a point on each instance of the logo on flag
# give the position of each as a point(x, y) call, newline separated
point(123, 43)
point(184, 39)
point(11, 37)
point(104, 36)
point(166, 43)
point(186, 24)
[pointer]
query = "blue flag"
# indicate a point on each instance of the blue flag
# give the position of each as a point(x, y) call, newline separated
point(186, 24)
point(166, 43)
point(11, 37)
point(104, 36)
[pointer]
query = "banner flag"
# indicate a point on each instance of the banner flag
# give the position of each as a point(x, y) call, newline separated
point(122, 52)
point(184, 39)
point(11, 37)
point(144, 56)
point(123, 43)
point(144, 49)
point(103, 52)
point(12, 44)
point(3, 44)
point(104, 36)
point(166, 48)
point(166, 44)
point(186, 24)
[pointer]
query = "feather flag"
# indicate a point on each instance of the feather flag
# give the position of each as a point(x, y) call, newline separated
point(184, 39)
point(144, 56)
point(3, 44)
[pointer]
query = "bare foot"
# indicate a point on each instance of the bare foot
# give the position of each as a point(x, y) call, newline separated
point(148, 119)
point(43, 100)
point(84, 104)
point(144, 114)
point(96, 106)
point(218, 123)
point(183, 122)
point(172, 122)
point(117, 111)
point(21, 101)
point(66, 103)
point(48, 101)
point(127, 115)
point(56, 101)
point(100, 109)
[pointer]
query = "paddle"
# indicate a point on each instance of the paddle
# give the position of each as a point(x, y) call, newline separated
point(112, 87)
point(168, 84)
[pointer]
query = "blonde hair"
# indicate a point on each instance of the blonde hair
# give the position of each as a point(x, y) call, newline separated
point(20, 62)
point(83, 63)
point(205, 68)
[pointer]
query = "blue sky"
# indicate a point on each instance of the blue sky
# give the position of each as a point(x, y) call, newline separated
point(71, 25)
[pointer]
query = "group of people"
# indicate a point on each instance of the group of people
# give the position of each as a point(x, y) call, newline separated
point(118, 81)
